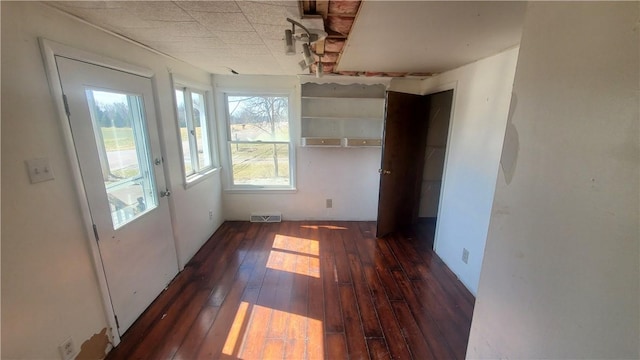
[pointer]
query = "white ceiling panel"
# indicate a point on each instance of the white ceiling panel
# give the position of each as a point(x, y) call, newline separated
point(271, 32)
point(268, 13)
point(209, 6)
point(247, 36)
point(159, 10)
point(116, 17)
point(168, 31)
point(222, 21)
point(240, 38)
point(178, 47)
point(431, 36)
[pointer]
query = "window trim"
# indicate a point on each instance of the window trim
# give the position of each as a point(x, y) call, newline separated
point(283, 92)
point(178, 82)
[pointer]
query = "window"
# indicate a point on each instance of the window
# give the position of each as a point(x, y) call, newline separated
point(259, 141)
point(195, 136)
point(123, 149)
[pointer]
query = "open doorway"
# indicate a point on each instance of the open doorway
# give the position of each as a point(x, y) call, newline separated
point(413, 152)
point(437, 136)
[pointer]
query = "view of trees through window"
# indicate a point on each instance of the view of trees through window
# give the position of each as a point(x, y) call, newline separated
point(259, 140)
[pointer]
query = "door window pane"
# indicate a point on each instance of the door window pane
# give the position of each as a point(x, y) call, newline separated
point(120, 130)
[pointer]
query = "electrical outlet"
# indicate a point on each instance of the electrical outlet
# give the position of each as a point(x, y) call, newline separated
point(210, 214)
point(67, 349)
point(329, 203)
point(465, 256)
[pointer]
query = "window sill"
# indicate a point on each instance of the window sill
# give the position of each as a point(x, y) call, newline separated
point(197, 178)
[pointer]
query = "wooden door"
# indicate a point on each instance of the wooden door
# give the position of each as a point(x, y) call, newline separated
point(115, 134)
point(403, 151)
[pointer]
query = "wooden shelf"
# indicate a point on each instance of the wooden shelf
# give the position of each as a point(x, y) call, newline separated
point(356, 142)
point(342, 97)
point(347, 115)
point(324, 142)
point(343, 118)
point(341, 142)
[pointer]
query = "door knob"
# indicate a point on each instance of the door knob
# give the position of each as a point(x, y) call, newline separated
point(384, 172)
point(166, 193)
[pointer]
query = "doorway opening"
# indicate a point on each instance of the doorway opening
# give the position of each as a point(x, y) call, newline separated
point(413, 157)
point(432, 175)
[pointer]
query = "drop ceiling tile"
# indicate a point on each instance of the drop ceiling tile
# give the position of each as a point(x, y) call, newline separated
point(256, 65)
point(240, 37)
point(249, 50)
point(209, 6)
point(267, 13)
point(170, 31)
point(208, 43)
point(222, 21)
point(277, 47)
point(187, 45)
point(239, 51)
point(192, 56)
point(158, 10)
point(271, 32)
point(86, 4)
point(287, 3)
point(116, 19)
point(245, 66)
point(113, 18)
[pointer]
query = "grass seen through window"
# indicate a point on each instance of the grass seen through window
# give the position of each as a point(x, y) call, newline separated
point(259, 140)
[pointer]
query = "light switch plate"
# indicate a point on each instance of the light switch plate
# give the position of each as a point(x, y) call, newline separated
point(39, 170)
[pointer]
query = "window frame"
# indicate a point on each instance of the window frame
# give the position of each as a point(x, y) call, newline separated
point(248, 188)
point(188, 87)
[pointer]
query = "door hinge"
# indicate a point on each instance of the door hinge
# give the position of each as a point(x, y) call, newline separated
point(117, 323)
point(95, 232)
point(66, 104)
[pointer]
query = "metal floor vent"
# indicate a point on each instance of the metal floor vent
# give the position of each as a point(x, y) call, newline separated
point(266, 218)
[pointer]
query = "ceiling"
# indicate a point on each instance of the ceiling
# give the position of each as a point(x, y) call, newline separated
point(393, 37)
point(430, 36)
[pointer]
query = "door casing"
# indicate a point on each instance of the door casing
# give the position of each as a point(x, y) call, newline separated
point(51, 49)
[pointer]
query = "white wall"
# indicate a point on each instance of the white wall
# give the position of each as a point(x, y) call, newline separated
point(561, 272)
point(348, 176)
point(49, 284)
point(482, 92)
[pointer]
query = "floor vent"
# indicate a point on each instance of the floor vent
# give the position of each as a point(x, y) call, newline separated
point(266, 218)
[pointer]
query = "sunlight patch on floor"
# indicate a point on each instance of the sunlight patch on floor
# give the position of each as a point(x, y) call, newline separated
point(330, 227)
point(263, 332)
point(295, 255)
point(236, 328)
point(294, 263)
point(296, 244)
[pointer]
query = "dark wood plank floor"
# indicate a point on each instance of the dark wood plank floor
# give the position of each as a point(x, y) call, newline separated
point(307, 290)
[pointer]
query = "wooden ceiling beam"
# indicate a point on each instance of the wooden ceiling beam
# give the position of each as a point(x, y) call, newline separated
point(322, 8)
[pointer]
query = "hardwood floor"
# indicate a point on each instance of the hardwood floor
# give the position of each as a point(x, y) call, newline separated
point(307, 290)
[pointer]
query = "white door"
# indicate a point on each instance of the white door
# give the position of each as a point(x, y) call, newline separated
point(112, 118)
